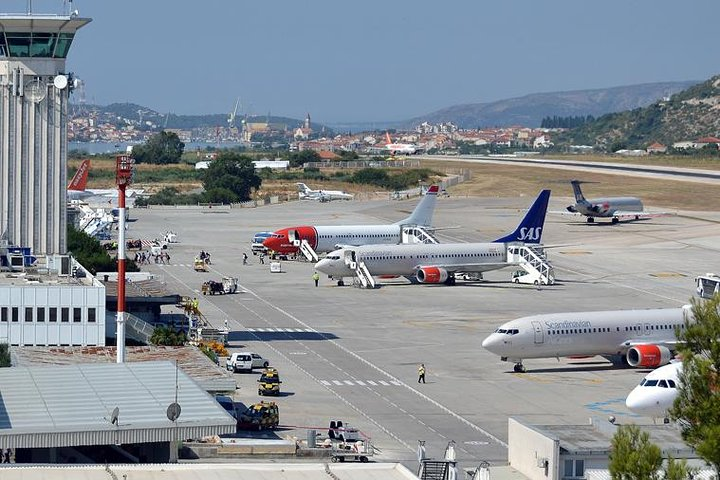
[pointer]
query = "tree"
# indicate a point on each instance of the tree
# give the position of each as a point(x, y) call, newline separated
point(633, 456)
point(298, 159)
point(162, 149)
point(697, 408)
point(168, 336)
point(91, 255)
point(231, 173)
point(4, 355)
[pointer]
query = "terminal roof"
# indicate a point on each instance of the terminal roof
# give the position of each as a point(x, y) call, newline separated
point(71, 405)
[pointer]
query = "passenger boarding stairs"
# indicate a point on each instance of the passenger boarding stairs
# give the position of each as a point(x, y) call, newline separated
point(138, 329)
point(533, 260)
point(308, 252)
point(362, 275)
point(417, 234)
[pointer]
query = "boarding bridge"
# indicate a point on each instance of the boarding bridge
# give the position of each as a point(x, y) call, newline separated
point(533, 260)
point(362, 275)
point(417, 234)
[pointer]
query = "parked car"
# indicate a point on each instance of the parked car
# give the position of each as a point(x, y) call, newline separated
point(269, 382)
point(259, 416)
point(245, 361)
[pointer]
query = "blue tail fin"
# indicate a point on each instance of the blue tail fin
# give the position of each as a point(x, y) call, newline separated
point(530, 229)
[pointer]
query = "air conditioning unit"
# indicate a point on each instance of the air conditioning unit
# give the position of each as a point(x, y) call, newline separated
point(59, 264)
point(16, 262)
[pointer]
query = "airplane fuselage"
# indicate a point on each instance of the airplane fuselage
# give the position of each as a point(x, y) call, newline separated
point(407, 259)
point(585, 333)
point(607, 207)
point(326, 238)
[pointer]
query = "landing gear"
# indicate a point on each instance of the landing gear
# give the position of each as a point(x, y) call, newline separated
point(519, 368)
point(450, 280)
point(614, 220)
point(590, 220)
point(340, 283)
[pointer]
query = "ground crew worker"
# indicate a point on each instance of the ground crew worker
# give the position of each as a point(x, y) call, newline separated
point(244, 258)
point(195, 305)
point(262, 259)
point(316, 278)
point(421, 373)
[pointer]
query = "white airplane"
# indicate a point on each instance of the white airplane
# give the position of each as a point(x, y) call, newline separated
point(657, 392)
point(615, 208)
point(76, 188)
point(639, 338)
point(306, 193)
point(435, 263)
point(402, 148)
point(327, 238)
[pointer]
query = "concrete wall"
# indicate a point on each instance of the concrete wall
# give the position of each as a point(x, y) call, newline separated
point(15, 300)
point(527, 448)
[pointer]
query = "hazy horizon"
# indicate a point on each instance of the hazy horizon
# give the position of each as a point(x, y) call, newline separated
point(375, 62)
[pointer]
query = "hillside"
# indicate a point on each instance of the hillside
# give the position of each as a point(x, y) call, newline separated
point(689, 114)
point(531, 109)
point(132, 112)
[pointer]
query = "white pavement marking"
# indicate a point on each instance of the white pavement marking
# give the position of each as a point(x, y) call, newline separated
point(348, 382)
point(383, 382)
point(337, 382)
point(372, 383)
point(324, 382)
point(385, 373)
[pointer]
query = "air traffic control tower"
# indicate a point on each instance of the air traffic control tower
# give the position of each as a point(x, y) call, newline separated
point(34, 91)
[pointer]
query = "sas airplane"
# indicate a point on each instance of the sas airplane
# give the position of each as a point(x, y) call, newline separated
point(306, 193)
point(657, 392)
point(436, 263)
point(327, 238)
point(615, 208)
point(639, 338)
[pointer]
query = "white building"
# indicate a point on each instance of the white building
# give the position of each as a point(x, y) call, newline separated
point(61, 304)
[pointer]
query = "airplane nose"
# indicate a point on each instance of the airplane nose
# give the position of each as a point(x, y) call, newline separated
point(638, 402)
point(322, 265)
point(490, 342)
point(271, 243)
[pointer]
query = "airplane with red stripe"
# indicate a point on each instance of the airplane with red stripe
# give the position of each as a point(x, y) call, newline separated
point(324, 239)
point(76, 189)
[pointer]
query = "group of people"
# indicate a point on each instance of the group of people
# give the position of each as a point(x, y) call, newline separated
point(146, 258)
point(204, 256)
point(7, 456)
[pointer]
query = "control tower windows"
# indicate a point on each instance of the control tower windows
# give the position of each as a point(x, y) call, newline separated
point(35, 44)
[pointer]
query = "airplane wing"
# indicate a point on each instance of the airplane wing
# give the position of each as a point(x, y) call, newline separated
point(671, 344)
point(623, 214)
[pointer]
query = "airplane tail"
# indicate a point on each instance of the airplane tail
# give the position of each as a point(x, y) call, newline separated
point(579, 197)
point(302, 187)
point(79, 180)
point(531, 227)
point(387, 135)
point(422, 215)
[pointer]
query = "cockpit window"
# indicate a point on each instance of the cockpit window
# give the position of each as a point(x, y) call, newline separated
point(662, 384)
point(500, 330)
point(651, 383)
point(671, 383)
point(514, 331)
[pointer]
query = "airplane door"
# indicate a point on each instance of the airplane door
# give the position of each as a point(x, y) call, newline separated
point(538, 332)
point(294, 237)
point(648, 330)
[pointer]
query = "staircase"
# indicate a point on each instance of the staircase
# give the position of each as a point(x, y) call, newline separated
point(363, 275)
point(138, 329)
point(308, 251)
point(416, 234)
point(434, 470)
point(533, 260)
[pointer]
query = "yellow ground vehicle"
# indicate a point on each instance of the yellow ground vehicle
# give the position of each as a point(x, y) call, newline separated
point(200, 265)
point(269, 382)
point(259, 416)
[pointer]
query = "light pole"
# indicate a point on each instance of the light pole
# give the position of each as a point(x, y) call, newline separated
point(123, 178)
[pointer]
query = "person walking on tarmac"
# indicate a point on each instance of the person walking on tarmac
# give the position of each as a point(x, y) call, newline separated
point(262, 258)
point(316, 278)
point(421, 373)
point(244, 258)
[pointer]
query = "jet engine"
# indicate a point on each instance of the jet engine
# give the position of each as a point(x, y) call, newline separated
point(648, 356)
point(571, 209)
point(432, 275)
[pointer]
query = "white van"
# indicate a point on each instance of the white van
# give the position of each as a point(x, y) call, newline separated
point(245, 362)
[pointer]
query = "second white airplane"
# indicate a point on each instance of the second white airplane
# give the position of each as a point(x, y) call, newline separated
point(306, 193)
point(436, 263)
point(657, 392)
point(639, 338)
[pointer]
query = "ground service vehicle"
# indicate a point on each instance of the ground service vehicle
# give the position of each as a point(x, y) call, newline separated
point(259, 416)
point(245, 361)
point(707, 285)
point(257, 242)
point(269, 382)
point(200, 265)
point(228, 285)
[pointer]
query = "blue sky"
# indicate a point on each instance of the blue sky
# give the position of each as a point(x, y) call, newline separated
point(377, 60)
